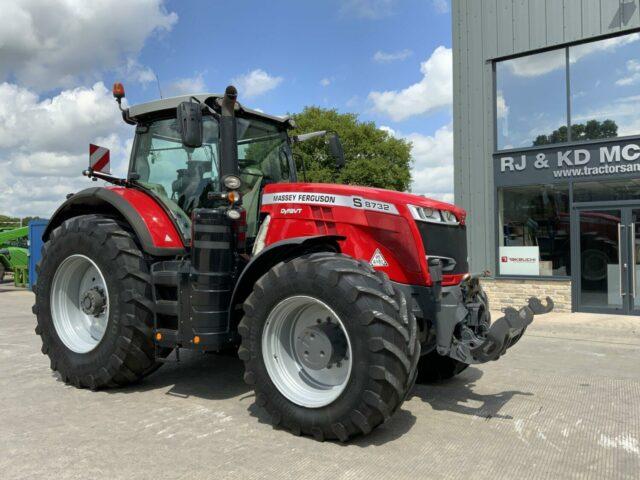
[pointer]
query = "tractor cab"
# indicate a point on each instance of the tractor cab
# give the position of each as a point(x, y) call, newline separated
point(184, 177)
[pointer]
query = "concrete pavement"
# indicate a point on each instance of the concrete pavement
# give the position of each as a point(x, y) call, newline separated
point(563, 403)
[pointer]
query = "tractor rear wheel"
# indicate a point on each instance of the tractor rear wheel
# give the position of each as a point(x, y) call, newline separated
point(93, 304)
point(329, 346)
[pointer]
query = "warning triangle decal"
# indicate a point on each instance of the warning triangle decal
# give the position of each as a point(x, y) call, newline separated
point(378, 259)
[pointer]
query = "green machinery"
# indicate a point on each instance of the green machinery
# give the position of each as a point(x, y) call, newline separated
point(14, 255)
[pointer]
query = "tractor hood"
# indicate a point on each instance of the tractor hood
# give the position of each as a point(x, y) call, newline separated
point(368, 193)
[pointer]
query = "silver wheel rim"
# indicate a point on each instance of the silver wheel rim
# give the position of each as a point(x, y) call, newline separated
point(79, 329)
point(295, 334)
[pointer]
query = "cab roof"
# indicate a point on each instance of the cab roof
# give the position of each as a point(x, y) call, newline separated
point(170, 103)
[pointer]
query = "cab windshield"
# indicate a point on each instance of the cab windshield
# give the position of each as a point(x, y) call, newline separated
point(264, 156)
point(182, 177)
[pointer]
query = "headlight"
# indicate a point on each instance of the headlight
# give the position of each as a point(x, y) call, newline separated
point(433, 215)
point(449, 217)
point(232, 182)
point(258, 246)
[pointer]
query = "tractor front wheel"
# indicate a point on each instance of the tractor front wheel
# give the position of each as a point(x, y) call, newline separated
point(93, 304)
point(329, 346)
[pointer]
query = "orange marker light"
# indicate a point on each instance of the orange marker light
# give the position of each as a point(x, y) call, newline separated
point(196, 340)
point(118, 90)
point(158, 336)
point(233, 197)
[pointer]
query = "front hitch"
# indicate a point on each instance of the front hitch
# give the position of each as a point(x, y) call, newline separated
point(464, 330)
point(507, 330)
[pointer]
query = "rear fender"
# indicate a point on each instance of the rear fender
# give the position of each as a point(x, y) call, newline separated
point(153, 227)
point(271, 256)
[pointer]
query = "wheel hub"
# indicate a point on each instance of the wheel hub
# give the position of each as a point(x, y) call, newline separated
point(93, 301)
point(321, 346)
point(307, 351)
point(79, 303)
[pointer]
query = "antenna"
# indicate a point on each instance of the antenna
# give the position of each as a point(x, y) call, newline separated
point(158, 82)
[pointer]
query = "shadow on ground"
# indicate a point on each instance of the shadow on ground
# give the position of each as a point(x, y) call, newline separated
point(207, 376)
point(458, 395)
point(218, 377)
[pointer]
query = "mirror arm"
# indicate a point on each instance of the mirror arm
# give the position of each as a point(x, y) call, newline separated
point(93, 175)
point(308, 136)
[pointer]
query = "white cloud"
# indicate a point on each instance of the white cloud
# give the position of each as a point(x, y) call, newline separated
point(434, 91)
point(432, 150)
point(501, 106)
point(326, 81)
point(535, 65)
point(255, 83)
point(186, 86)
point(543, 63)
point(622, 110)
point(134, 71)
point(56, 124)
point(44, 144)
point(46, 44)
point(440, 6)
point(387, 57)
point(368, 9)
point(432, 169)
point(389, 130)
point(633, 70)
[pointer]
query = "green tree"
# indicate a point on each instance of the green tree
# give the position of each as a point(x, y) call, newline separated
point(591, 130)
point(373, 157)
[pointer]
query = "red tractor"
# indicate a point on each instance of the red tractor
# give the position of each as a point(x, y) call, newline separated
point(335, 297)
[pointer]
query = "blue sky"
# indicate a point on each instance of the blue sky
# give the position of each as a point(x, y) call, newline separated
point(387, 60)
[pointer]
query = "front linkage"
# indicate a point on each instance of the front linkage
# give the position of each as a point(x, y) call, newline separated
point(464, 330)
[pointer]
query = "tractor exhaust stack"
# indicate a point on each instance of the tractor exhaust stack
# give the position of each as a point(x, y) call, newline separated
point(228, 135)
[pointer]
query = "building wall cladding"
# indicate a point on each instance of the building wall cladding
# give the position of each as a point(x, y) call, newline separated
point(484, 30)
point(515, 292)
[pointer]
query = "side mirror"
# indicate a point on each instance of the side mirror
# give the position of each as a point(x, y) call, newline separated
point(189, 115)
point(335, 147)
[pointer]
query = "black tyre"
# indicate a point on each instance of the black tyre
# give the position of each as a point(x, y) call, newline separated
point(347, 359)
point(433, 368)
point(2, 272)
point(94, 280)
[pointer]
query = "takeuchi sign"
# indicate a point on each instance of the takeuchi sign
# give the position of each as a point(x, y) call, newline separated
point(616, 159)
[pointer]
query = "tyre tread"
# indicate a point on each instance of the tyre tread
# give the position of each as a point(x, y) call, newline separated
point(133, 357)
point(393, 343)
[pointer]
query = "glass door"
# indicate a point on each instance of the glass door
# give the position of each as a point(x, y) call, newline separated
point(601, 277)
point(634, 261)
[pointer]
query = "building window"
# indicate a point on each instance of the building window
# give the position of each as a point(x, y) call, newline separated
point(531, 100)
point(605, 88)
point(628, 189)
point(534, 231)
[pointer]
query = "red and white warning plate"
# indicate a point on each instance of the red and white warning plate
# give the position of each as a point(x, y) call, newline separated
point(99, 160)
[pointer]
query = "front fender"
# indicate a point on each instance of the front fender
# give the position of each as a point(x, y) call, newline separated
point(274, 254)
point(153, 227)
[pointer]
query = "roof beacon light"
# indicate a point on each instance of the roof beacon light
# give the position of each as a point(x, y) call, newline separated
point(118, 91)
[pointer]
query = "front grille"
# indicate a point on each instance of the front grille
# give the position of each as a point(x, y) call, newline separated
point(446, 241)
